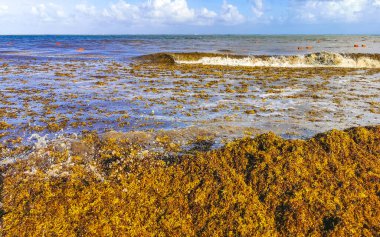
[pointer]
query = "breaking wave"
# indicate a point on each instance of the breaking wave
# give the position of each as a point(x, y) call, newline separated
point(322, 59)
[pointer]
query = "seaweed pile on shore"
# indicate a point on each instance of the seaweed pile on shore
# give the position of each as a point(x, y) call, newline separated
point(327, 185)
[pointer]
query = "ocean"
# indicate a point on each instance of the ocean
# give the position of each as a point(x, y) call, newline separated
point(126, 46)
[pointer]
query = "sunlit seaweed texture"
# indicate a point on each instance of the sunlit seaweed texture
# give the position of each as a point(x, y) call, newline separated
point(325, 186)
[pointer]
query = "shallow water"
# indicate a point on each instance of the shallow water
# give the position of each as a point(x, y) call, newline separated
point(53, 90)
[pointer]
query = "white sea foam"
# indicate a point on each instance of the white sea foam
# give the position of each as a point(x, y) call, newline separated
point(38, 141)
point(323, 59)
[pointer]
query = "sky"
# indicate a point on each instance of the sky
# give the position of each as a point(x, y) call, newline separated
point(189, 17)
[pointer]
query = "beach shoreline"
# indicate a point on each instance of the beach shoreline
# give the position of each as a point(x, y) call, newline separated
point(189, 135)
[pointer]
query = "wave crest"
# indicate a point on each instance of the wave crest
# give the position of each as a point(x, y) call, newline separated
point(322, 59)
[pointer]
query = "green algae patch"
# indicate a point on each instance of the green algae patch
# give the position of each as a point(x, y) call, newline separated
point(328, 185)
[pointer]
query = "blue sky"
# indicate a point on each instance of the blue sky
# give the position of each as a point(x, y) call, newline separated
point(190, 17)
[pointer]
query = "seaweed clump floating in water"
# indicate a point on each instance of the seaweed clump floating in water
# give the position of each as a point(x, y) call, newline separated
point(328, 185)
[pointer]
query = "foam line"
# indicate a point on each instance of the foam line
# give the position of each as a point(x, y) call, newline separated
point(324, 59)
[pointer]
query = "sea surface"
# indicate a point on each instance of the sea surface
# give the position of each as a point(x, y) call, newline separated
point(127, 46)
point(56, 85)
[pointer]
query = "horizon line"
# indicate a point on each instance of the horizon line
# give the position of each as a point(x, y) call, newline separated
point(212, 34)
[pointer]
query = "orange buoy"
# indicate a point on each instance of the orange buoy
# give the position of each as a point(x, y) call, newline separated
point(58, 43)
point(356, 45)
point(363, 45)
point(80, 50)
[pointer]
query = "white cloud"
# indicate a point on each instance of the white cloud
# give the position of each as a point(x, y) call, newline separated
point(169, 10)
point(48, 12)
point(206, 13)
point(118, 15)
point(337, 10)
point(257, 8)
point(376, 3)
point(86, 9)
point(122, 11)
point(3, 9)
point(158, 11)
point(230, 14)
point(205, 16)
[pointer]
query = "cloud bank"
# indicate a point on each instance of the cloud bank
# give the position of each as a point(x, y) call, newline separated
point(179, 16)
